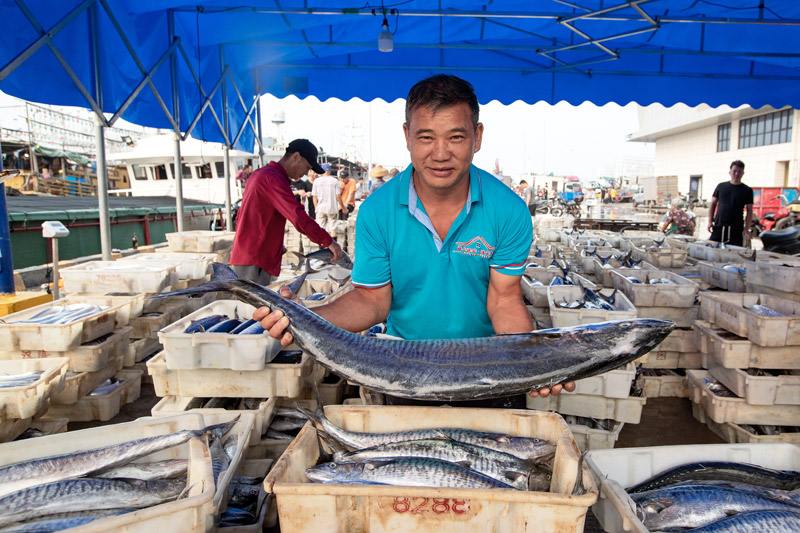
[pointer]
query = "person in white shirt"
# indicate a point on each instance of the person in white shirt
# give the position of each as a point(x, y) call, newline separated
point(327, 200)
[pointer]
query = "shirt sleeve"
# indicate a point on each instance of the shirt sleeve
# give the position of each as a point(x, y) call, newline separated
point(287, 205)
point(372, 268)
point(515, 238)
point(716, 192)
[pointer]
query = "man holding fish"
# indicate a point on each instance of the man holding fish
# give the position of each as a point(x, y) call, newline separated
point(442, 246)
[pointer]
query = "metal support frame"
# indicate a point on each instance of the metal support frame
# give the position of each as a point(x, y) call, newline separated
point(173, 70)
point(260, 132)
point(100, 138)
point(6, 260)
point(226, 120)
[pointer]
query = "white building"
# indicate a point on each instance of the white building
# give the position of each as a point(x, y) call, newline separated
point(699, 144)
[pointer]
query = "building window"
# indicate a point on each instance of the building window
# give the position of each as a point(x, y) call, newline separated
point(769, 129)
point(724, 137)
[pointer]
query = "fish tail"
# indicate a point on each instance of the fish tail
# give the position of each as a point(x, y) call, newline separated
point(317, 417)
point(217, 430)
point(578, 489)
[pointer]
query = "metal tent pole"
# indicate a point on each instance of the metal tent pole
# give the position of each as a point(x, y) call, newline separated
point(260, 134)
point(228, 217)
point(173, 68)
point(6, 261)
point(100, 138)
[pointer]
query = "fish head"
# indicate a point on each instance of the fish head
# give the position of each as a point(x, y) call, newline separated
point(335, 472)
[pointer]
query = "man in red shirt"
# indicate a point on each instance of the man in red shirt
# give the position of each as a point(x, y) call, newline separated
point(267, 203)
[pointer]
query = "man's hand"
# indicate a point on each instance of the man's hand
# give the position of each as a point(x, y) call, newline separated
point(710, 226)
point(336, 250)
point(555, 390)
point(274, 321)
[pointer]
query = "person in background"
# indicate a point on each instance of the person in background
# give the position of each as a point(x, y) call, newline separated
point(302, 191)
point(327, 200)
point(361, 190)
point(377, 174)
point(528, 195)
point(267, 204)
point(683, 222)
point(730, 198)
point(348, 188)
point(243, 174)
point(544, 192)
point(539, 193)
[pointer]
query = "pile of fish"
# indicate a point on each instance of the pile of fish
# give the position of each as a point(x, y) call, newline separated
point(20, 380)
point(761, 429)
point(625, 260)
point(286, 424)
point(452, 369)
point(442, 457)
point(62, 314)
point(63, 491)
point(107, 387)
point(763, 310)
point(718, 388)
point(590, 300)
point(224, 324)
point(606, 424)
point(721, 497)
point(734, 268)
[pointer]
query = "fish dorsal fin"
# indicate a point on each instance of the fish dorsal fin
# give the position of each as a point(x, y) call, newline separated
point(465, 463)
point(223, 272)
point(440, 435)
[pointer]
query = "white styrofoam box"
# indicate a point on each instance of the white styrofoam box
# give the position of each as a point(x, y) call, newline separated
point(672, 360)
point(127, 304)
point(187, 351)
point(147, 325)
point(79, 385)
point(190, 265)
point(16, 336)
point(680, 293)
point(200, 241)
point(274, 380)
point(588, 438)
point(620, 409)
point(24, 401)
point(88, 357)
point(664, 386)
point(175, 405)
point(730, 311)
point(603, 274)
point(759, 390)
point(723, 409)
point(624, 309)
point(612, 384)
point(710, 251)
point(624, 467)
point(661, 257)
point(536, 295)
point(102, 407)
point(731, 351)
point(715, 275)
point(117, 276)
point(679, 340)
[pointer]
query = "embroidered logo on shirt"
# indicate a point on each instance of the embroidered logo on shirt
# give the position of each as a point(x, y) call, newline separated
point(477, 247)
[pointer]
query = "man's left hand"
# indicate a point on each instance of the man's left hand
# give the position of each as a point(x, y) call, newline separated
point(555, 390)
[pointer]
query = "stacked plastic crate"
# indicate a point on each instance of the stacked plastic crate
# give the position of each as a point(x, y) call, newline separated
point(750, 391)
point(217, 242)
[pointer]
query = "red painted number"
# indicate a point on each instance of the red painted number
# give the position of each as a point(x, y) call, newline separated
point(418, 505)
point(440, 505)
point(401, 505)
point(419, 508)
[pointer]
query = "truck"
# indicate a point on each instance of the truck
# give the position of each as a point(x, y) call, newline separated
point(656, 190)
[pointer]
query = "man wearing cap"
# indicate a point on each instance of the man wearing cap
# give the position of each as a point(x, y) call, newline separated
point(267, 204)
point(348, 186)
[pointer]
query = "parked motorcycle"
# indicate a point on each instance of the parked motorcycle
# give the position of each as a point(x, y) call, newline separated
point(783, 218)
point(542, 207)
point(782, 241)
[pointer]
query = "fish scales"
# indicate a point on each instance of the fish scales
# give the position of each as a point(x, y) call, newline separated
point(722, 471)
point(453, 369)
point(58, 522)
point(771, 521)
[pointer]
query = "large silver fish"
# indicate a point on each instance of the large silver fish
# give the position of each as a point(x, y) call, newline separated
point(722, 471)
point(771, 521)
point(452, 369)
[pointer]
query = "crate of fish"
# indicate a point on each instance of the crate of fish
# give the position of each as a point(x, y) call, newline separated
point(758, 386)
point(285, 376)
point(765, 320)
point(542, 252)
point(656, 288)
point(534, 285)
point(663, 383)
point(720, 253)
point(43, 427)
point(587, 256)
point(574, 306)
point(660, 256)
point(55, 327)
point(217, 336)
point(200, 241)
point(104, 402)
point(723, 405)
point(12, 428)
point(761, 433)
point(430, 499)
point(727, 276)
point(612, 384)
point(127, 305)
point(593, 434)
point(147, 325)
point(732, 351)
point(79, 384)
point(672, 360)
point(111, 276)
point(190, 265)
point(628, 242)
point(211, 408)
point(681, 242)
point(763, 289)
point(139, 349)
point(182, 497)
point(602, 271)
point(27, 385)
point(627, 409)
point(639, 491)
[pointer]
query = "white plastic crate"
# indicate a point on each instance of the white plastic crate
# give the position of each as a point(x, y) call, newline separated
point(102, 407)
point(672, 360)
point(79, 385)
point(644, 294)
point(681, 316)
point(680, 242)
point(12, 428)
point(189, 351)
point(575, 317)
point(782, 274)
point(141, 348)
point(587, 261)
point(117, 276)
point(732, 351)
point(331, 393)
point(679, 340)
point(729, 311)
point(50, 426)
point(53, 337)
point(175, 405)
point(716, 276)
point(759, 390)
point(723, 409)
point(664, 386)
point(763, 289)
point(190, 265)
point(710, 251)
point(588, 438)
point(613, 384)
point(536, 295)
point(568, 403)
point(542, 252)
point(604, 276)
point(200, 241)
point(147, 325)
point(736, 433)
point(624, 467)
point(274, 380)
point(660, 257)
point(25, 401)
point(128, 305)
point(313, 507)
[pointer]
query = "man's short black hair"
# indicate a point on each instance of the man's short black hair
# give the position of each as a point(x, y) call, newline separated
point(523, 182)
point(442, 91)
point(737, 163)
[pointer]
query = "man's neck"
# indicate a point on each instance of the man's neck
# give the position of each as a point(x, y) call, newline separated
point(734, 181)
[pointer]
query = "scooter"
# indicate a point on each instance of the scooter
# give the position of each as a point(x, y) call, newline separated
point(782, 241)
point(784, 218)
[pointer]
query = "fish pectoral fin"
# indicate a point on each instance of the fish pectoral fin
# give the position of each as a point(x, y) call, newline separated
point(659, 506)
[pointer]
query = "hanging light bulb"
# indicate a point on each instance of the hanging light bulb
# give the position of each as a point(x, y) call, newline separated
point(385, 39)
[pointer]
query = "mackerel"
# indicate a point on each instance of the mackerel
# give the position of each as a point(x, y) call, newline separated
point(62, 521)
point(721, 471)
point(452, 369)
point(171, 468)
point(772, 521)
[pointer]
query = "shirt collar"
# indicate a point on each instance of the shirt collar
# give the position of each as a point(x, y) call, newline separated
point(408, 194)
point(280, 168)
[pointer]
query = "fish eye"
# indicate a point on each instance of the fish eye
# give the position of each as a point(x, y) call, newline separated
point(625, 325)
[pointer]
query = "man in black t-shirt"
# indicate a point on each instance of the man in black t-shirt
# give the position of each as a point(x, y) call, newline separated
point(725, 213)
point(302, 191)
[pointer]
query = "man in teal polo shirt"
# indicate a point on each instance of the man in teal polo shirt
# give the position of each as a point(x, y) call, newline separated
point(441, 247)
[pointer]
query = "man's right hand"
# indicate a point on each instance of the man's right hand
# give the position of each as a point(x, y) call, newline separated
point(336, 250)
point(710, 226)
point(275, 322)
